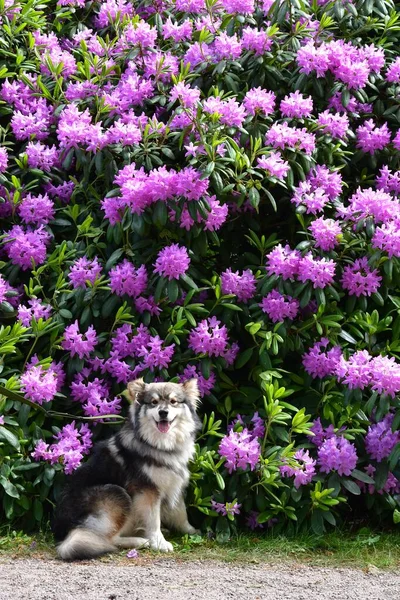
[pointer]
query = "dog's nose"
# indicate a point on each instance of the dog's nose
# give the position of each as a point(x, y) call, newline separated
point(163, 414)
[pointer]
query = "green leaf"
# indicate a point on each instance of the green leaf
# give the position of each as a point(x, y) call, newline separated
point(317, 522)
point(8, 436)
point(38, 510)
point(189, 281)
point(9, 488)
point(173, 290)
point(361, 476)
point(220, 481)
point(351, 486)
point(113, 259)
point(244, 358)
point(381, 475)
point(232, 307)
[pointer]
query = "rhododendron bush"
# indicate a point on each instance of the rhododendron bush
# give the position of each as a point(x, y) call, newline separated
point(208, 189)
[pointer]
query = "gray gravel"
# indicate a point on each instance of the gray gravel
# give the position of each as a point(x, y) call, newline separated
point(167, 579)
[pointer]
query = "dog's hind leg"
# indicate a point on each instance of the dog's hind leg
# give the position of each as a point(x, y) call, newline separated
point(109, 506)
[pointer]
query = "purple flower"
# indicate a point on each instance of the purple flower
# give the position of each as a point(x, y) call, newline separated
point(370, 137)
point(295, 105)
point(78, 343)
point(337, 454)
point(36, 309)
point(279, 307)
point(303, 471)
point(84, 270)
point(70, 447)
point(127, 279)
point(259, 101)
point(370, 203)
point(359, 279)
point(3, 159)
point(187, 96)
point(284, 261)
point(209, 337)
point(380, 439)
point(132, 553)
point(312, 58)
point(320, 271)
point(94, 395)
point(314, 199)
point(385, 375)
point(255, 40)
point(335, 125)
point(274, 164)
point(320, 434)
point(356, 371)
point(387, 238)
point(25, 246)
point(229, 508)
point(320, 363)
point(155, 355)
point(326, 233)
point(243, 286)
point(240, 449)
point(393, 72)
point(36, 210)
point(39, 385)
point(172, 262)
point(41, 156)
point(205, 385)
point(329, 181)
point(1, 420)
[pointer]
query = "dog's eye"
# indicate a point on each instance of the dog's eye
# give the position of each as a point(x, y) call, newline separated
point(154, 402)
point(172, 401)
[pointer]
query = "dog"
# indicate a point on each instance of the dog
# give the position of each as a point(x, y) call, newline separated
point(135, 480)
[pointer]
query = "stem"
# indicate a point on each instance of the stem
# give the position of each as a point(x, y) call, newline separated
point(30, 352)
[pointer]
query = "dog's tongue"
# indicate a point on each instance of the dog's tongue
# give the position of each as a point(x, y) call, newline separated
point(163, 426)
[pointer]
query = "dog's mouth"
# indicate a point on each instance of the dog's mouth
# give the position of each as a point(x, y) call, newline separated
point(164, 426)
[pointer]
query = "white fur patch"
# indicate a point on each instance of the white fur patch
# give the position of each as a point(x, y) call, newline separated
point(100, 523)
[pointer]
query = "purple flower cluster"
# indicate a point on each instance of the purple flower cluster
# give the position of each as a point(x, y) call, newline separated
point(303, 471)
point(80, 344)
point(337, 454)
point(210, 337)
point(205, 384)
point(240, 449)
point(127, 279)
point(172, 262)
point(359, 279)
point(320, 362)
point(229, 508)
point(83, 271)
point(380, 439)
point(279, 307)
point(243, 286)
point(289, 263)
point(39, 384)
point(35, 309)
point(71, 445)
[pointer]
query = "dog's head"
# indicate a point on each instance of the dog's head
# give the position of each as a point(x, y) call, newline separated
point(165, 413)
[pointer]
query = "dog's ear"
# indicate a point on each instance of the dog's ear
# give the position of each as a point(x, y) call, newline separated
point(192, 393)
point(136, 389)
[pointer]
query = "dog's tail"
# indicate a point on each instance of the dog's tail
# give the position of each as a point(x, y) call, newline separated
point(83, 543)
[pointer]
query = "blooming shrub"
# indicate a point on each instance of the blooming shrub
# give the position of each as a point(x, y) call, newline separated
point(209, 189)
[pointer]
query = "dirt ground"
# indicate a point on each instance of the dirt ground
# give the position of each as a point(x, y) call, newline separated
point(168, 579)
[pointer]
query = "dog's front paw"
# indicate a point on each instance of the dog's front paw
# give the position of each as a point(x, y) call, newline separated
point(160, 543)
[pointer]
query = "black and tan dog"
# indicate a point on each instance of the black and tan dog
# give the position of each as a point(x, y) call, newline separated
point(134, 481)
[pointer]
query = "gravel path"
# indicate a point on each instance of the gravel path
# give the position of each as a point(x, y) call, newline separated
point(29, 579)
